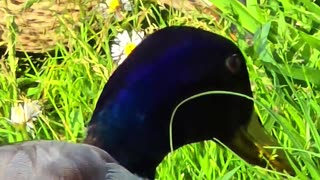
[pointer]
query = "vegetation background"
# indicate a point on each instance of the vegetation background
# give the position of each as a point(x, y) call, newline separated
point(52, 95)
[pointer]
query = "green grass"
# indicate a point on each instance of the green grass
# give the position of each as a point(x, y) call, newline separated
point(283, 62)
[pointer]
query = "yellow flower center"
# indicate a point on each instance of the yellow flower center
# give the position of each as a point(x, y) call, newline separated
point(129, 47)
point(113, 5)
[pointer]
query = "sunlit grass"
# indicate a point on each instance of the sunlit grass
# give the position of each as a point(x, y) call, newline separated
point(282, 51)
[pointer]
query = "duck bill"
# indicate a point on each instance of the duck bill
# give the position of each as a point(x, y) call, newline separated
point(251, 143)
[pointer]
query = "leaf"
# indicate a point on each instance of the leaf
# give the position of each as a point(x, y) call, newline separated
point(311, 40)
point(244, 17)
point(296, 72)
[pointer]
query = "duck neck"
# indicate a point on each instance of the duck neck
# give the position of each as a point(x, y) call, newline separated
point(139, 152)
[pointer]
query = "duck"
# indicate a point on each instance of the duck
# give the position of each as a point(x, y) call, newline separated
point(47, 159)
point(37, 23)
point(132, 118)
point(151, 106)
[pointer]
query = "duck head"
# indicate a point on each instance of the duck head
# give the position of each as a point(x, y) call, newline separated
point(132, 117)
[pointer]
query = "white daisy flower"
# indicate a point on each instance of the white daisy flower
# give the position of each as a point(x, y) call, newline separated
point(124, 44)
point(25, 113)
point(127, 5)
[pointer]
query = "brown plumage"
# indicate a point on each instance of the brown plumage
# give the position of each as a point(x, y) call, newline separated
point(37, 160)
point(37, 24)
point(203, 6)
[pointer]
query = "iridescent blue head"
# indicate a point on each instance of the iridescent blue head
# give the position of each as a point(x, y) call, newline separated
point(132, 117)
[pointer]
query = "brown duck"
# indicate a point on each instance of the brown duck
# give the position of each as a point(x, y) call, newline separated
point(37, 23)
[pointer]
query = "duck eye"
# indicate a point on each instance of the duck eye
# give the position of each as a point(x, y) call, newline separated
point(233, 63)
